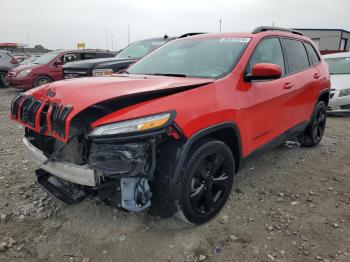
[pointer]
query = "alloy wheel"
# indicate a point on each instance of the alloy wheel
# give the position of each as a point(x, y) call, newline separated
point(319, 124)
point(209, 184)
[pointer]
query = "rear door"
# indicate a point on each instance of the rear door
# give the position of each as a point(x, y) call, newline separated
point(303, 79)
point(267, 101)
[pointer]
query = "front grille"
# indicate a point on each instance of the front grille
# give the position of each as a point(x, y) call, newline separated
point(345, 107)
point(26, 109)
point(14, 105)
point(74, 73)
point(43, 119)
point(11, 74)
point(58, 117)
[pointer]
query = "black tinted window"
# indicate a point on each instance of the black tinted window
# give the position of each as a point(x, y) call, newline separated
point(268, 51)
point(314, 59)
point(296, 55)
point(87, 56)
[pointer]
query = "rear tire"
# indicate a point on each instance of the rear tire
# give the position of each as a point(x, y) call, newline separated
point(42, 80)
point(206, 182)
point(313, 133)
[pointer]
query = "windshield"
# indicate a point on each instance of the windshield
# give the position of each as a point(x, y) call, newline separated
point(45, 59)
point(140, 48)
point(339, 65)
point(28, 61)
point(206, 58)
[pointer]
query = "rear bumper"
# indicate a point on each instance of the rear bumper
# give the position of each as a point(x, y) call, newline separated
point(81, 175)
point(338, 104)
point(20, 83)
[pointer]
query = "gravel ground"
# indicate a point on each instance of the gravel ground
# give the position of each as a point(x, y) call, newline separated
point(291, 204)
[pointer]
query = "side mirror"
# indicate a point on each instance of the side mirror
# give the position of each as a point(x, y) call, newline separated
point(264, 71)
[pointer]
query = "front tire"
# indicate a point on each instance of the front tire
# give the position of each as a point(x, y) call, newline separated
point(313, 133)
point(41, 80)
point(207, 181)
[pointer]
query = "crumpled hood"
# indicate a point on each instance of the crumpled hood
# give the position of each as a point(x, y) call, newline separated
point(84, 92)
point(340, 82)
point(72, 96)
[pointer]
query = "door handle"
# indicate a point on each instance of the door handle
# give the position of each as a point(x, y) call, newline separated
point(288, 85)
point(317, 76)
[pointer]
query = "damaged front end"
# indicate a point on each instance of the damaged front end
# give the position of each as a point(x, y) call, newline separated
point(79, 152)
point(115, 162)
point(117, 172)
point(127, 168)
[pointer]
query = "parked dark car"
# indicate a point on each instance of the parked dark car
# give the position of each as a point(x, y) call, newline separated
point(48, 68)
point(129, 55)
point(7, 62)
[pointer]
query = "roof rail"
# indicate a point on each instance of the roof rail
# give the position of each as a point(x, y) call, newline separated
point(189, 34)
point(272, 28)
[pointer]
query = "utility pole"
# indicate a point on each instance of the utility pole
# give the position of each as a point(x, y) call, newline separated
point(220, 21)
point(273, 24)
point(106, 39)
point(112, 42)
point(28, 41)
point(128, 33)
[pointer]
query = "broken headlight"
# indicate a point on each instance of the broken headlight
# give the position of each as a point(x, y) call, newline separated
point(126, 159)
point(135, 125)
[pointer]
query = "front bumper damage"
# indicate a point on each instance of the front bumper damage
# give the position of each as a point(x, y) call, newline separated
point(79, 174)
point(118, 173)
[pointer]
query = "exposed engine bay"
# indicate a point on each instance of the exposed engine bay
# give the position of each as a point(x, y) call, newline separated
point(124, 169)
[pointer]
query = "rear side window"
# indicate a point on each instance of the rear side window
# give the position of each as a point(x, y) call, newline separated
point(268, 51)
point(314, 59)
point(87, 56)
point(296, 55)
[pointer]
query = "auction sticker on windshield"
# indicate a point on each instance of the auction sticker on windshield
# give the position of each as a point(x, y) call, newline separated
point(235, 39)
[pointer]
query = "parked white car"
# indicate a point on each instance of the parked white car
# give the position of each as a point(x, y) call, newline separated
point(339, 68)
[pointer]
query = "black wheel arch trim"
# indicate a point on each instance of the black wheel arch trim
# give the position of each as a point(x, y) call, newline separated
point(175, 179)
point(324, 91)
point(200, 134)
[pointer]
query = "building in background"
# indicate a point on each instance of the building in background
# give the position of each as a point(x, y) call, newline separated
point(328, 41)
point(12, 47)
point(22, 48)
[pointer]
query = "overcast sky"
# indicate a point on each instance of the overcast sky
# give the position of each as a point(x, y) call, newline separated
point(62, 23)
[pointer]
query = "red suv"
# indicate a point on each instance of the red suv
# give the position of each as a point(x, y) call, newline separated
point(48, 68)
point(169, 133)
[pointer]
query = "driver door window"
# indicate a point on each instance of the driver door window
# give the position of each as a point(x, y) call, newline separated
point(66, 58)
point(268, 51)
